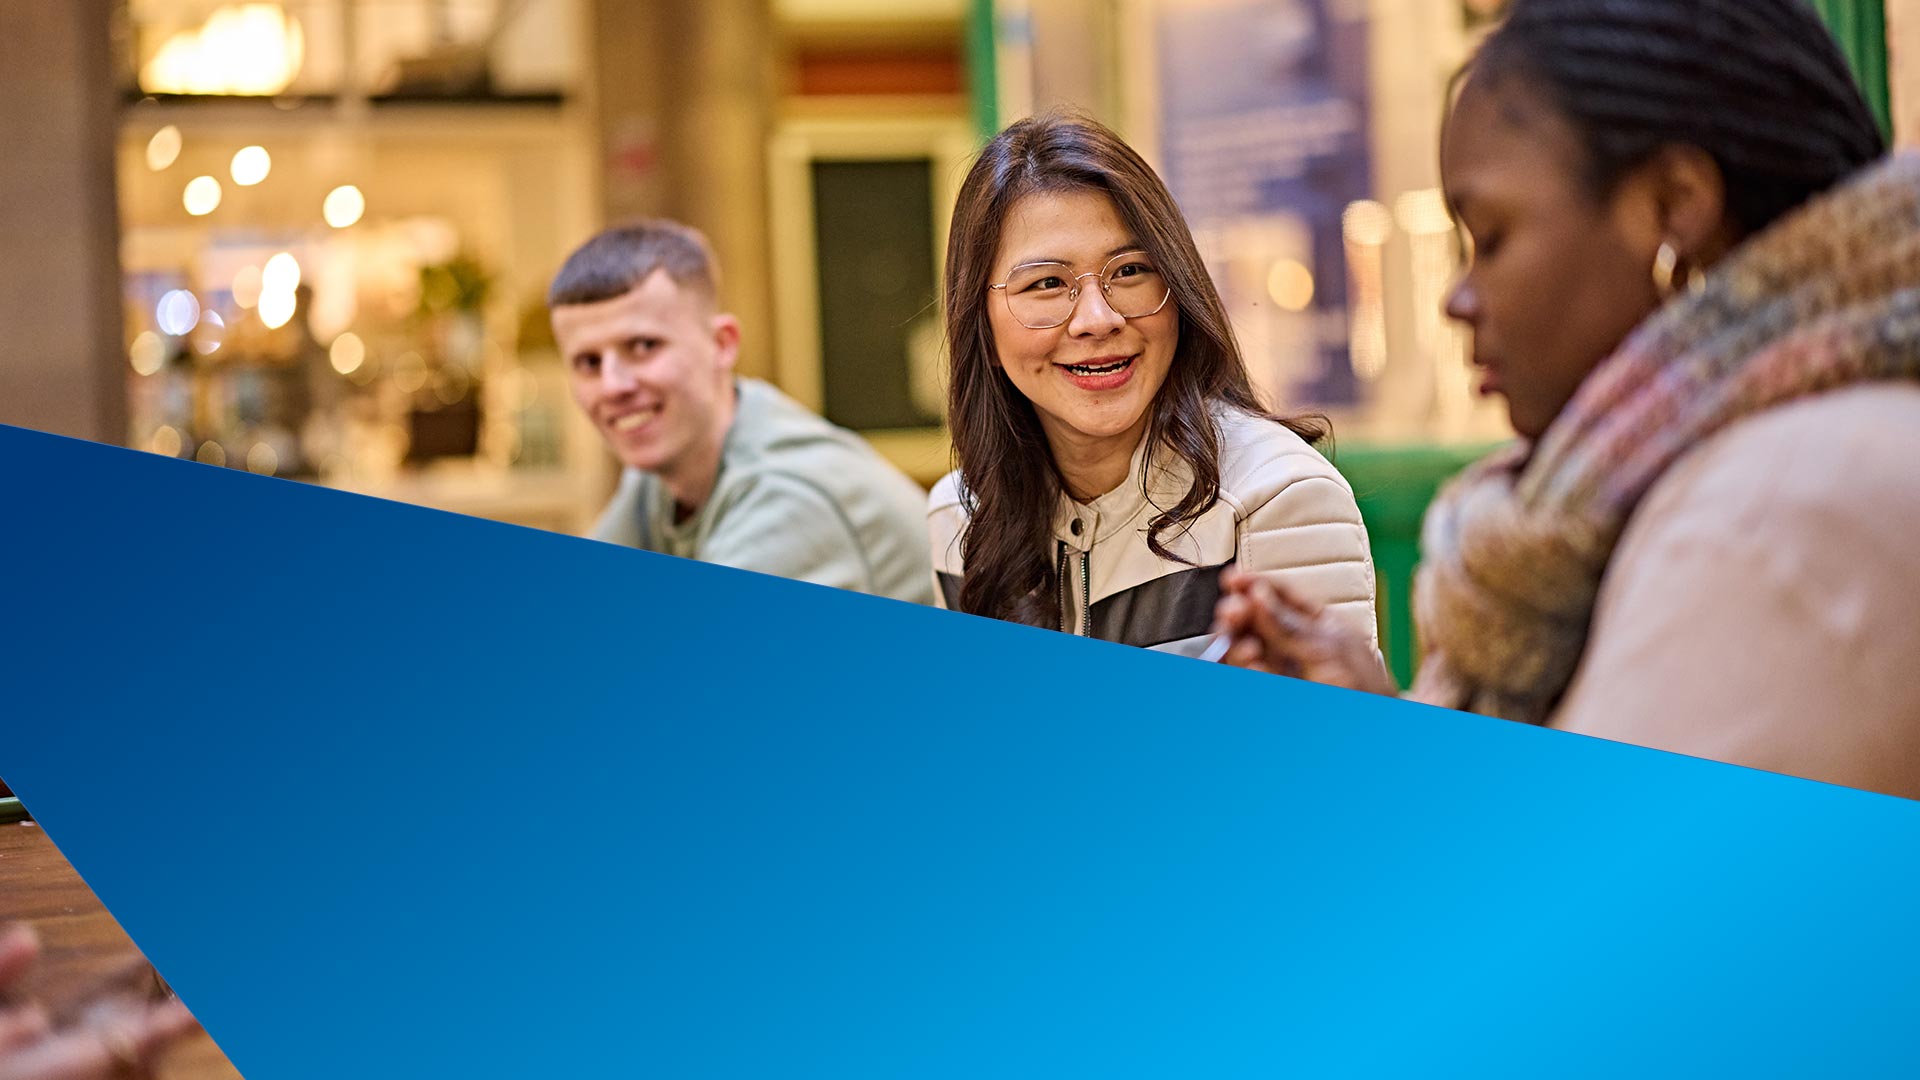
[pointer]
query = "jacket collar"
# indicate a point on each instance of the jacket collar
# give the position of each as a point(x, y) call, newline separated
point(1082, 525)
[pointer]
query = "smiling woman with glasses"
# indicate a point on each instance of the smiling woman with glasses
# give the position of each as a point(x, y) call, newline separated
point(1113, 457)
point(1042, 295)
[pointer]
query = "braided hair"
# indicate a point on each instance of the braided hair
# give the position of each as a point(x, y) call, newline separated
point(1759, 85)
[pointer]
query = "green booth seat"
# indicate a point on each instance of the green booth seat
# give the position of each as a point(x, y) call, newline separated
point(1393, 485)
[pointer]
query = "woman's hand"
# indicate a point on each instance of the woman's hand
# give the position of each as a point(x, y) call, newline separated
point(118, 1037)
point(1275, 632)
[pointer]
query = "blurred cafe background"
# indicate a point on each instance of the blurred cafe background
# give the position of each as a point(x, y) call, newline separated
point(309, 239)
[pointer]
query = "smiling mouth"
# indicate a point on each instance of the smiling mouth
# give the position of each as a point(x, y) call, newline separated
point(633, 421)
point(1100, 369)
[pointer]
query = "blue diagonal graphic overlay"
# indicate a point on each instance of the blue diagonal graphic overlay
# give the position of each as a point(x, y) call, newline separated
point(386, 792)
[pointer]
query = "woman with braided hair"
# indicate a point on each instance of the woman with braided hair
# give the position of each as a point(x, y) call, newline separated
point(1695, 280)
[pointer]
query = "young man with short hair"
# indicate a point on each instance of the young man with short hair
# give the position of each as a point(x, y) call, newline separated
point(719, 468)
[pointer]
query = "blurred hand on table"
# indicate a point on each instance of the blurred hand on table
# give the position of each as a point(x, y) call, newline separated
point(1275, 632)
point(115, 1035)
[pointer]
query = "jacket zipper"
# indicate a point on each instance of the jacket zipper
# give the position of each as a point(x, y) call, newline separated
point(1066, 589)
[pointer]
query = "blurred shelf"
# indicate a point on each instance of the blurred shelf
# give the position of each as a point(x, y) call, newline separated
point(294, 102)
point(523, 116)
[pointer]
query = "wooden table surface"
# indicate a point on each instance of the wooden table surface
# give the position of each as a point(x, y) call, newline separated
point(81, 943)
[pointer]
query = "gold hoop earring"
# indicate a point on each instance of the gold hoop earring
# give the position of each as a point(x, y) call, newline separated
point(1666, 266)
point(1666, 262)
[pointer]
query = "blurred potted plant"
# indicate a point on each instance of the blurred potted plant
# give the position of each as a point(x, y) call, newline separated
point(445, 417)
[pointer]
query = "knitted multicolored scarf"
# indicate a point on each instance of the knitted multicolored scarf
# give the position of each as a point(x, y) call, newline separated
point(1516, 545)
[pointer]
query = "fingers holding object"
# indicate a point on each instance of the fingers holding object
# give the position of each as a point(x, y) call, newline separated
point(19, 951)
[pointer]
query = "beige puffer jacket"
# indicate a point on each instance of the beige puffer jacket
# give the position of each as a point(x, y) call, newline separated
point(1283, 511)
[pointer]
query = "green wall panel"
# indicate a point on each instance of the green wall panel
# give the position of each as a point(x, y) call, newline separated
point(1860, 26)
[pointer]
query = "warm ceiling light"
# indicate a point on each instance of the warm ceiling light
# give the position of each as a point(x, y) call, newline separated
point(251, 49)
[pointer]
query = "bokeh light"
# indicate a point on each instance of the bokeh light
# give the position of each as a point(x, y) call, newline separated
point(262, 459)
point(410, 373)
point(348, 353)
point(344, 206)
point(163, 149)
point(1423, 212)
point(251, 165)
point(1367, 222)
point(209, 333)
point(177, 312)
point(202, 196)
point(1290, 284)
point(282, 274)
point(148, 353)
point(451, 386)
point(277, 308)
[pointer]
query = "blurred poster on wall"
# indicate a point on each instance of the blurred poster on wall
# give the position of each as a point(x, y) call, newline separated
point(1264, 140)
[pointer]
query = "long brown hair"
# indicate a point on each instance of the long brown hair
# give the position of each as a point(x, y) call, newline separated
point(1009, 481)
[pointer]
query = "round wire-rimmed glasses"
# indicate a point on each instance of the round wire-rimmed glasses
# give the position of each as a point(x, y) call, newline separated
point(1042, 295)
